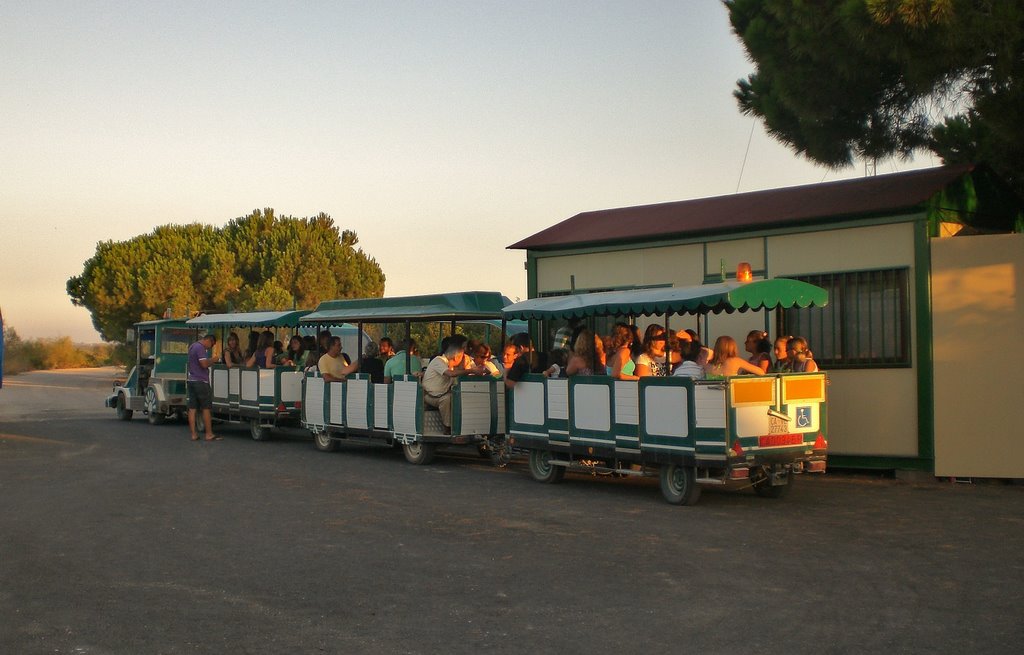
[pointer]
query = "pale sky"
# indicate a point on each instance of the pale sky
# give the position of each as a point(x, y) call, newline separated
point(436, 130)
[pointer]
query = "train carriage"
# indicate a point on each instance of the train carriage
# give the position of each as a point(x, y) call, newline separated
point(359, 410)
point(753, 430)
point(263, 398)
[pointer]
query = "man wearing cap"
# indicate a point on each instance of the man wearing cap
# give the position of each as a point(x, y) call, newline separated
point(200, 396)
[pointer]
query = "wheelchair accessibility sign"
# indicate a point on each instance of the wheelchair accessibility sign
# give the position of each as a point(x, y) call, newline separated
point(804, 417)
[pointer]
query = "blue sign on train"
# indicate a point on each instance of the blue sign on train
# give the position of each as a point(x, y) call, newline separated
point(803, 417)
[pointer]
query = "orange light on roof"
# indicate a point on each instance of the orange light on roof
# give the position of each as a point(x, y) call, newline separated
point(744, 273)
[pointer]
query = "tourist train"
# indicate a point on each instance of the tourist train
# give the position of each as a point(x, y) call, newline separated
point(740, 431)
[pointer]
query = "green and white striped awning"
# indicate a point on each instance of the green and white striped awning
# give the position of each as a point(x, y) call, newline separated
point(248, 319)
point(461, 306)
point(714, 298)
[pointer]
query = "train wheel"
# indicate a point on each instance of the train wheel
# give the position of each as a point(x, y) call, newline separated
point(419, 453)
point(123, 413)
point(156, 417)
point(542, 469)
point(763, 485)
point(679, 484)
point(258, 431)
point(323, 442)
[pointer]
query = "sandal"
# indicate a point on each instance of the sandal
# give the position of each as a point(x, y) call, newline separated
point(195, 437)
point(215, 438)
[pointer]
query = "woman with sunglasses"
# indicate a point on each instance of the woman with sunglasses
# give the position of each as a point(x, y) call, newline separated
point(651, 360)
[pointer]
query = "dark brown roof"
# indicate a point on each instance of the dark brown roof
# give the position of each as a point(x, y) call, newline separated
point(757, 209)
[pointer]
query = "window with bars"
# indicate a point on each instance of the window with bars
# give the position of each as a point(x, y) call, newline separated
point(866, 323)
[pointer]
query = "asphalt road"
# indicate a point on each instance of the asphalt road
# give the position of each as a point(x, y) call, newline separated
point(127, 538)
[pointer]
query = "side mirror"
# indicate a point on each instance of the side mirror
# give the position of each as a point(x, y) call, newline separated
point(130, 336)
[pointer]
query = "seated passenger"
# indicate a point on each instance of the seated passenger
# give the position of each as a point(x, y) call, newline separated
point(312, 359)
point(370, 364)
point(526, 361)
point(232, 354)
point(253, 346)
point(387, 348)
point(652, 360)
point(508, 356)
point(620, 364)
point(264, 355)
point(395, 366)
point(481, 354)
point(802, 359)
point(691, 335)
point(758, 346)
point(441, 374)
point(295, 355)
point(309, 343)
point(726, 362)
point(781, 363)
point(324, 341)
point(690, 352)
point(584, 359)
point(636, 347)
point(332, 366)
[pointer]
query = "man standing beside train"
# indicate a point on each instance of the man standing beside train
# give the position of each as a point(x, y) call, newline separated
point(200, 396)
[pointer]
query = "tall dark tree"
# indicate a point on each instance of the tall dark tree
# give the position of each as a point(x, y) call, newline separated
point(843, 79)
point(258, 261)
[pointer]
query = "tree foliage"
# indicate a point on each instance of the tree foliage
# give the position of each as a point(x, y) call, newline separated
point(258, 261)
point(845, 79)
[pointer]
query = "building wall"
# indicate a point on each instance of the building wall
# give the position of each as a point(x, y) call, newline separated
point(978, 312)
point(873, 412)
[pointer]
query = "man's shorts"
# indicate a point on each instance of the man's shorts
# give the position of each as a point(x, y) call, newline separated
point(200, 396)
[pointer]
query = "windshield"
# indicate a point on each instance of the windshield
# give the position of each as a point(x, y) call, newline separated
point(146, 339)
point(175, 341)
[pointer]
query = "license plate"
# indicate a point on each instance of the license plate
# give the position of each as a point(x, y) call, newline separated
point(777, 425)
point(770, 440)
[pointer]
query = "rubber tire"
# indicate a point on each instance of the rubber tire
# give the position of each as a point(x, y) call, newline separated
point(419, 453)
point(257, 431)
point(155, 417)
point(543, 470)
point(763, 487)
point(123, 413)
point(323, 442)
point(679, 484)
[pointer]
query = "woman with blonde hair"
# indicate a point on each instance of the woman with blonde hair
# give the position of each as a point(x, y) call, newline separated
point(584, 360)
point(800, 357)
point(726, 362)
